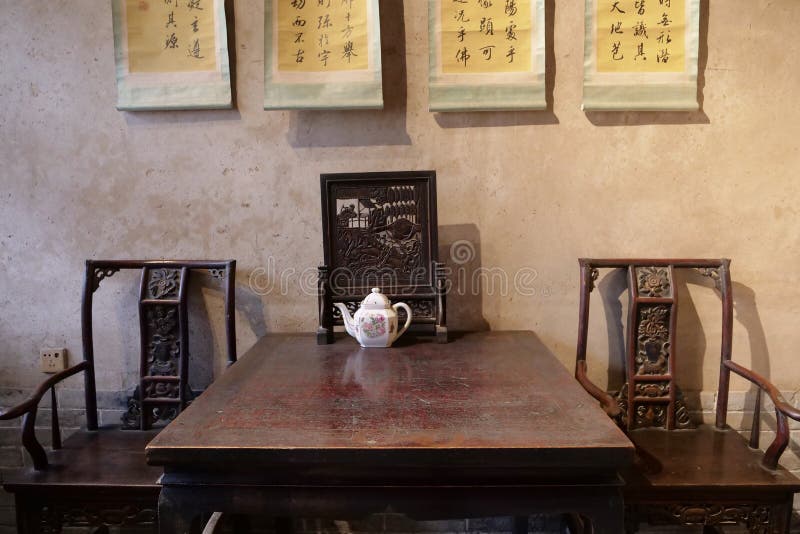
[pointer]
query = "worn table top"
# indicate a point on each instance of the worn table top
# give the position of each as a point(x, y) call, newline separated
point(494, 404)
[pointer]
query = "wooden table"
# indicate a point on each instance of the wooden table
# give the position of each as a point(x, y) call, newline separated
point(489, 424)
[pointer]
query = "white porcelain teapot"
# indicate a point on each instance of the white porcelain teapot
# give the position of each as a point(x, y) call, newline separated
point(375, 322)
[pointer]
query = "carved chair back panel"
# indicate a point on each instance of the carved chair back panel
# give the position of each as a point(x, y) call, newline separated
point(650, 395)
point(163, 389)
point(651, 398)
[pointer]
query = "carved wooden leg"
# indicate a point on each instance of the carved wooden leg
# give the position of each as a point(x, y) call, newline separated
point(241, 524)
point(441, 334)
point(521, 524)
point(325, 330)
point(284, 525)
point(631, 520)
point(574, 524)
point(606, 514)
point(324, 336)
point(780, 519)
point(176, 513)
point(29, 516)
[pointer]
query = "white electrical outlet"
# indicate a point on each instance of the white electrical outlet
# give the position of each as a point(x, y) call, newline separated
point(53, 360)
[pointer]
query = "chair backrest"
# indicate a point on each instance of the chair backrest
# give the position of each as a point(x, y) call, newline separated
point(380, 230)
point(650, 396)
point(163, 389)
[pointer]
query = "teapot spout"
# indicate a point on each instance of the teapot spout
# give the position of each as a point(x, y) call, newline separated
point(349, 323)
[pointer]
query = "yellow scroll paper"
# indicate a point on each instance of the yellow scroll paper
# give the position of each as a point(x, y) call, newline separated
point(486, 55)
point(325, 36)
point(171, 54)
point(486, 36)
point(646, 36)
point(170, 35)
point(322, 54)
point(641, 54)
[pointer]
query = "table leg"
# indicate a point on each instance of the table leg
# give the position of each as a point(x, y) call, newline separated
point(179, 505)
point(284, 525)
point(521, 524)
point(780, 517)
point(29, 516)
point(606, 513)
point(176, 514)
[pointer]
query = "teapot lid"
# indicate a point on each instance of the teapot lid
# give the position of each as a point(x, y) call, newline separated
point(376, 300)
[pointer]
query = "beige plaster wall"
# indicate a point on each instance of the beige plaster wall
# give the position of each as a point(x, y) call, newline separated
point(530, 190)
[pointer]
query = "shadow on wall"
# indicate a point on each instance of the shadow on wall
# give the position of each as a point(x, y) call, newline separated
point(691, 336)
point(611, 287)
point(206, 312)
point(746, 313)
point(460, 250)
point(690, 331)
point(516, 118)
point(639, 118)
point(331, 128)
point(207, 348)
point(121, 292)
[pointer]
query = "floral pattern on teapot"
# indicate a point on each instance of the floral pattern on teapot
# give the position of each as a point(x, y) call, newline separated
point(375, 322)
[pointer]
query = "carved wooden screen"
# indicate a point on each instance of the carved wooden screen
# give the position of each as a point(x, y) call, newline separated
point(380, 230)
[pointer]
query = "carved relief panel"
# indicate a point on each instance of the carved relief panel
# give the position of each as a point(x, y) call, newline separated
point(654, 282)
point(653, 340)
point(650, 398)
point(158, 398)
point(378, 233)
point(380, 230)
point(378, 237)
point(757, 519)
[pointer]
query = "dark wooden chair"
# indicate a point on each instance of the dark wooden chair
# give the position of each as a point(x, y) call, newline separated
point(379, 229)
point(98, 476)
point(684, 473)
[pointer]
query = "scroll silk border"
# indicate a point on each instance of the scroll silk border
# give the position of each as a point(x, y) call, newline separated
point(320, 90)
point(172, 90)
point(641, 91)
point(490, 91)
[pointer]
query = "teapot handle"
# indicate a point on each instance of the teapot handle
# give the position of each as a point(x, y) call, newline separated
point(408, 318)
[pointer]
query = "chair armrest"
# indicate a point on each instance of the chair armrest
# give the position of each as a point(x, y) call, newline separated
point(29, 408)
point(778, 400)
point(607, 402)
point(782, 410)
point(33, 401)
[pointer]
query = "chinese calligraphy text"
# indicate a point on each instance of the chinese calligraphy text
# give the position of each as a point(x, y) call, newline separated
point(486, 36)
point(641, 35)
point(171, 35)
point(322, 35)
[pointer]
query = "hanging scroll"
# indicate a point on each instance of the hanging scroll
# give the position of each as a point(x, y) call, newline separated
point(486, 55)
point(322, 54)
point(641, 55)
point(171, 54)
